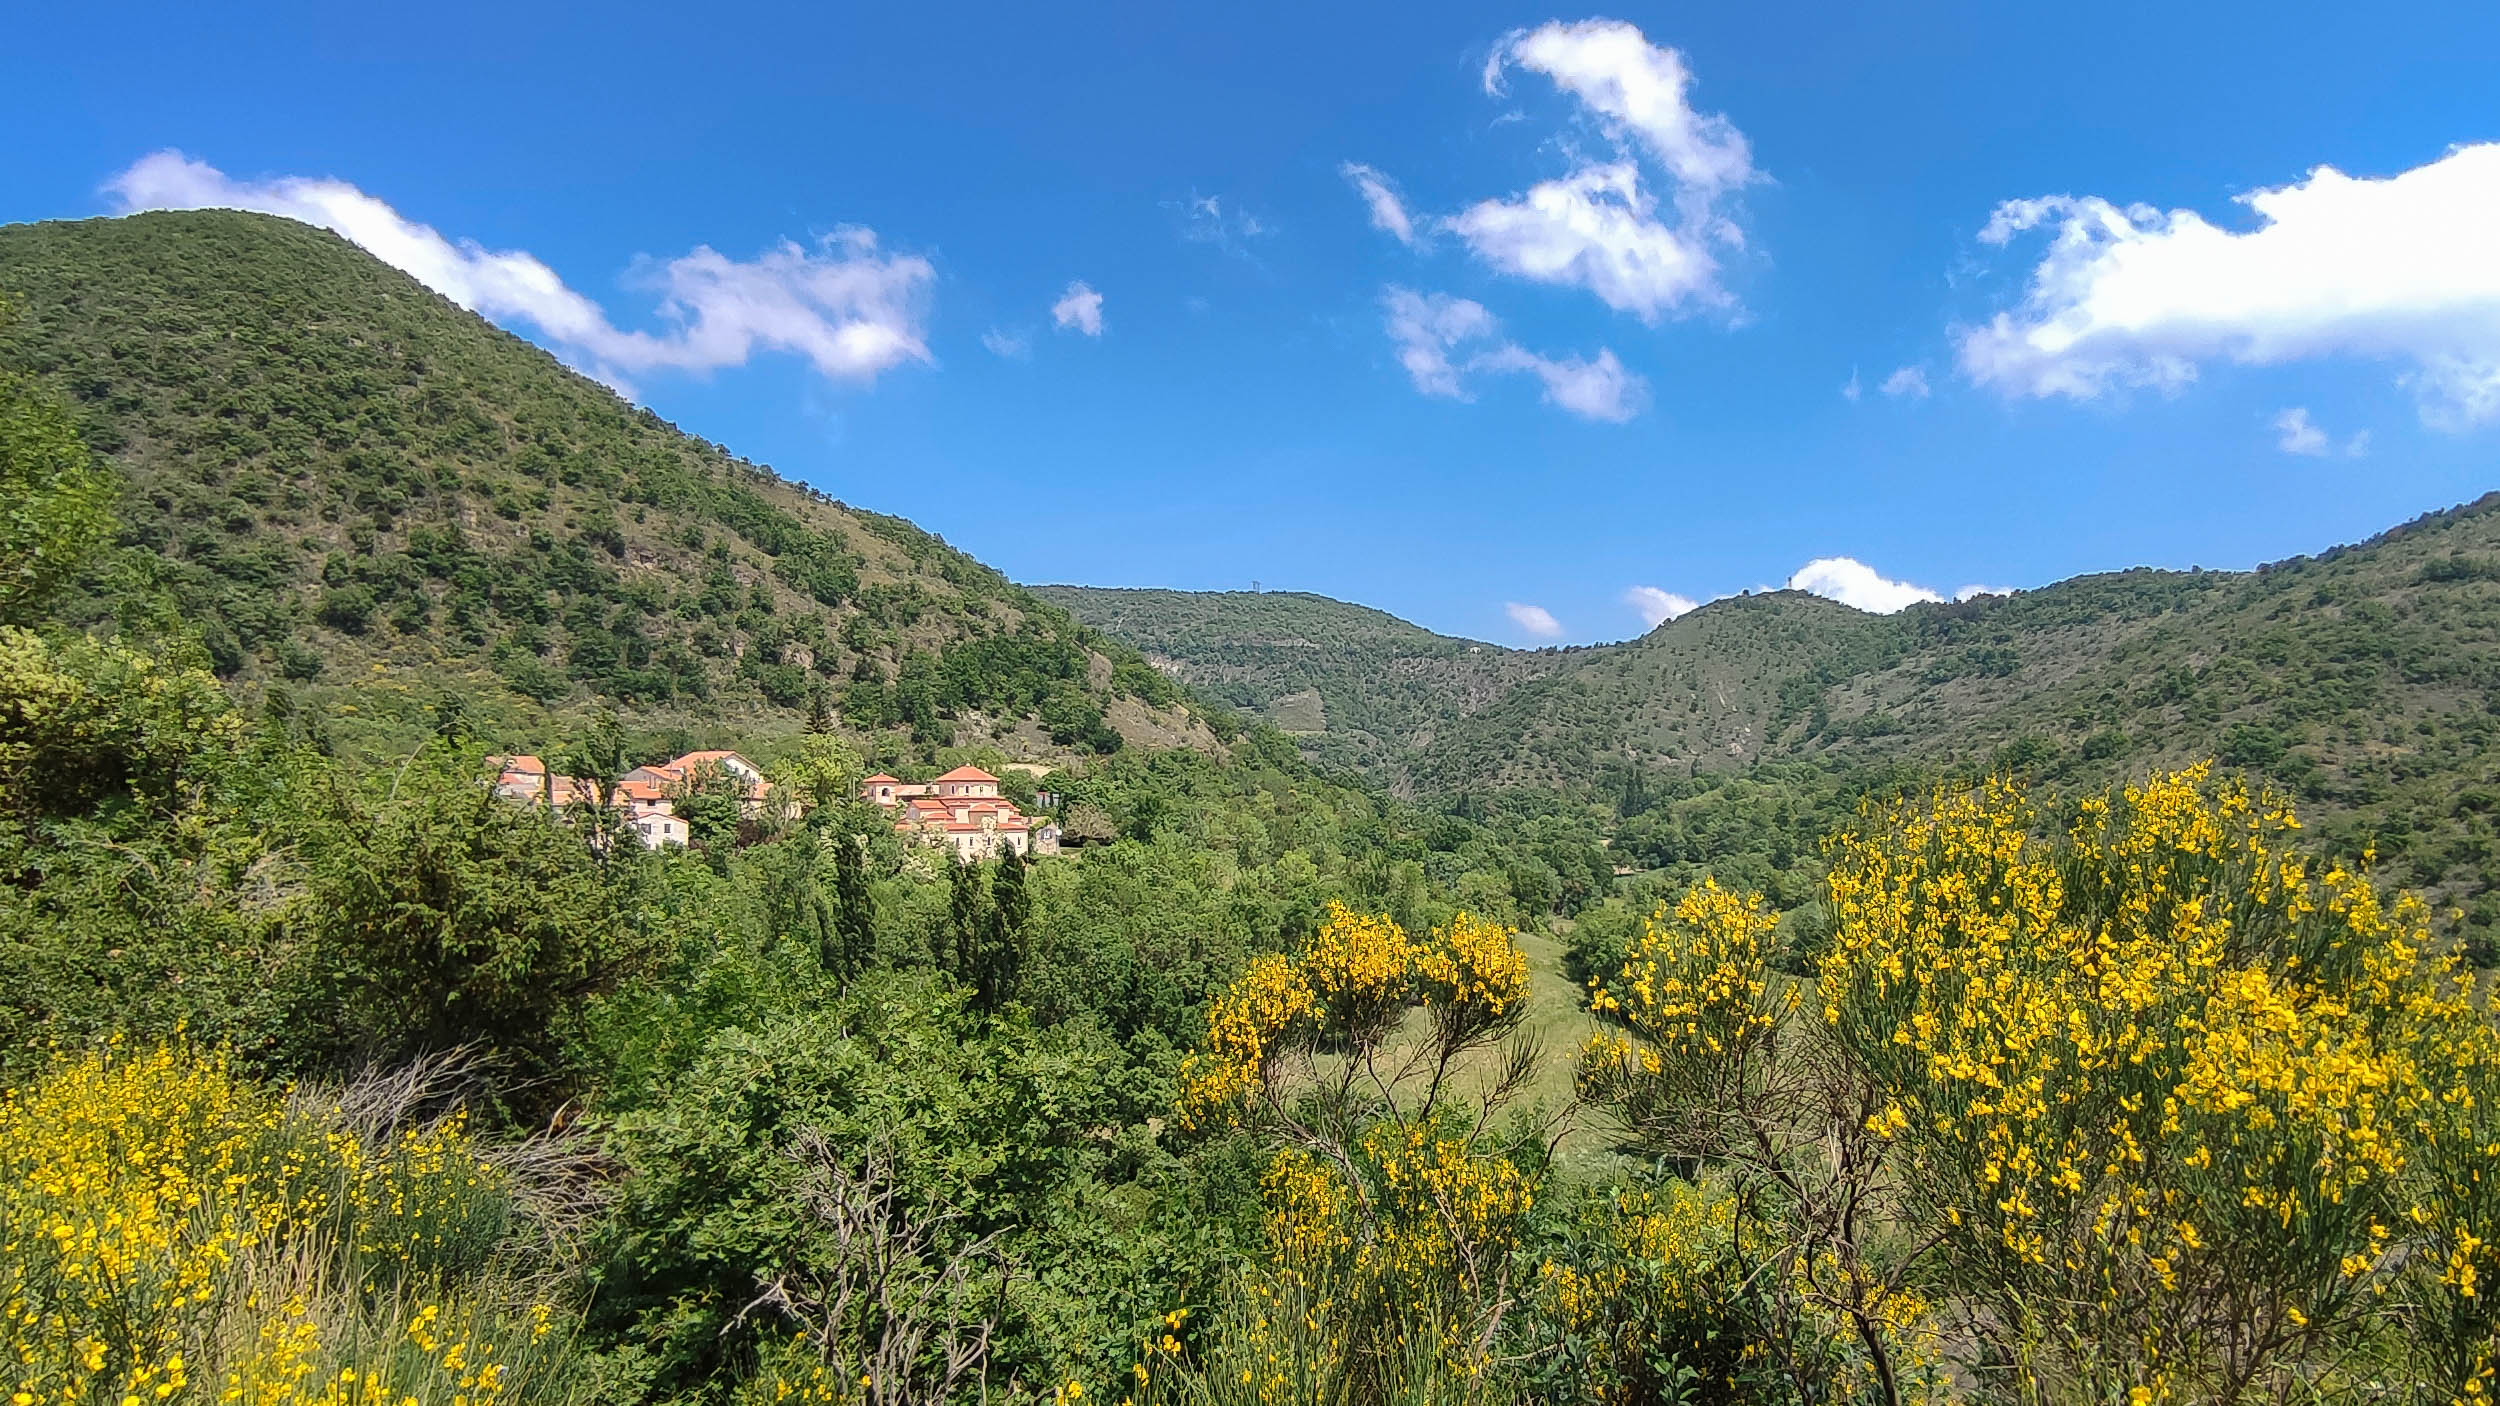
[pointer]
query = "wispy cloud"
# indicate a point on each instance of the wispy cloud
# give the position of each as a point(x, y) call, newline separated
point(1015, 346)
point(850, 309)
point(2399, 268)
point(1078, 310)
point(1534, 621)
point(1380, 196)
point(1909, 382)
point(1443, 340)
point(1657, 607)
point(1207, 219)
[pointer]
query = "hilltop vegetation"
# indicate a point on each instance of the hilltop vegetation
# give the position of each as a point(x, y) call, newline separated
point(354, 489)
point(1358, 688)
point(2363, 681)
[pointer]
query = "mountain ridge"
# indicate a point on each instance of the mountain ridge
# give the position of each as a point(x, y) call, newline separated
point(2363, 678)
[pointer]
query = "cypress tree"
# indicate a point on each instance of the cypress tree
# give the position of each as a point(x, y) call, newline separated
point(854, 909)
point(1003, 951)
point(964, 921)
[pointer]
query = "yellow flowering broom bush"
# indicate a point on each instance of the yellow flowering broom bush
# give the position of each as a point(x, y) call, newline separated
point(171, 1231)
point(1702, 1066)
point(2151, 1106)
point(2154, 1085)
point(1393, 1208)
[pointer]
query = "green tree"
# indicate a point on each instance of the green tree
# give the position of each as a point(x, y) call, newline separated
point(854, 909)
point(963, 919)
point(452, 918)
point(1002, 928)
point(55, 503)
point(595, 759)
point(823, 772)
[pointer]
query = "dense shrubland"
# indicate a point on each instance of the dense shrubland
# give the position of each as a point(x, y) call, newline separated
point(2130, 1098)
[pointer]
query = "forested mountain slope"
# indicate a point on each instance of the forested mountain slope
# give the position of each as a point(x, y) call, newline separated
point(2363, 680)
point(360, 490)
point(1355, 686)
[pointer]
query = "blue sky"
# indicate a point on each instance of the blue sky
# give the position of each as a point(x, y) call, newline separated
point(1648, 252)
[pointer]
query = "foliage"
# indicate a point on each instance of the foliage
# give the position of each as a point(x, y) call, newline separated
point(170, 1230)
point(58, 500)
point(453, 918)
point(2158, 1107)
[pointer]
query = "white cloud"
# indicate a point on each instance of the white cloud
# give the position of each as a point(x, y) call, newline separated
point(2399, 268)
point(1426, 328)
point(1442, 340)
point(1636, 87)
point(1657, 607)
point(849, 309)
point(1595, 229)
point(1908, 381)
point(1015, 346)
point(1388, 208)
point(1204, 219)
point(1601, 227)
point(1967, 592)
point(1852, 390)
point(2297, 435)
point(1534, 620)
point(1079, 309)
point(1853, 583)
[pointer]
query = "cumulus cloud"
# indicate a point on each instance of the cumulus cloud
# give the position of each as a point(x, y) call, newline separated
point(1853, 583)
point(1603, 226)
point(1657, 607)
point(1909, 381)
point(850, 309)
point(2397, 268)
point(2296, 435)
point(1595, 229)
point(1380, 196)
point(1533, 620)
point(1078, 310)
point(1967, 592)
point(1443, 340)
point(1637, 88)
point(1015, 346)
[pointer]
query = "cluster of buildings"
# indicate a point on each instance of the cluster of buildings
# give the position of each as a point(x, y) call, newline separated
point(961, 811)
point(647, 796)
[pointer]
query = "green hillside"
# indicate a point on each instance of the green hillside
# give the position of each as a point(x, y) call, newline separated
point(360, 491)
point(2365, 681)
point(1356, 687)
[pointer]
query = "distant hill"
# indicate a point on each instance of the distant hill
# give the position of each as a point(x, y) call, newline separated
point(1357, 687)
point(364, 493)
point(2365, 681)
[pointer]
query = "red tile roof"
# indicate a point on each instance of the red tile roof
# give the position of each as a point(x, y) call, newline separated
point(967, 773)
